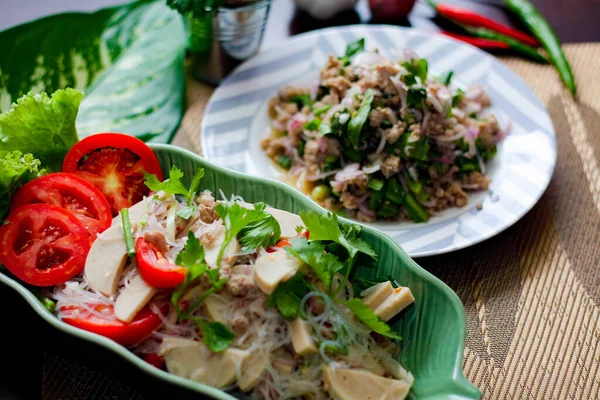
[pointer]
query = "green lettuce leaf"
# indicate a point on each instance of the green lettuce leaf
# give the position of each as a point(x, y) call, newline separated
point(42, 125)
point(127, 59)
point(16, 169)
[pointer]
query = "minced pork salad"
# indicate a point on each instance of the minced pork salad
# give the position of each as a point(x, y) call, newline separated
point(384, 139)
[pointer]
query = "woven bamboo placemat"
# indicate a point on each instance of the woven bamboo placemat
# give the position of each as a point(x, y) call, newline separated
point(531, 294)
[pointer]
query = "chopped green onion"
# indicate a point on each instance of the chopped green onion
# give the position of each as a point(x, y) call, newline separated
point(313, 125)
point(301, 146)
point(284, 162)
point(49, 304)
point(376, 184)
point(127, 232)
point(447, 78)
point(324, 129)
point(321, 110)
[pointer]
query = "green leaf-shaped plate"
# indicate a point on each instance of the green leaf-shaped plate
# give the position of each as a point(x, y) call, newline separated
point(433, 329)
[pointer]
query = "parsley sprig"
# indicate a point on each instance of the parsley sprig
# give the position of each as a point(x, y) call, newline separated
point(173, 185)
point(254, 227)
point(215, 335)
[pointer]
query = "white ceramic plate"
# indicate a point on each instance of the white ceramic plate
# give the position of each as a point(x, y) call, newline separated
point(236, 120)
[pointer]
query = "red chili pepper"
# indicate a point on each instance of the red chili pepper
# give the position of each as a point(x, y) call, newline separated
point(155, 360)
point(485, 44)
point(467, 17)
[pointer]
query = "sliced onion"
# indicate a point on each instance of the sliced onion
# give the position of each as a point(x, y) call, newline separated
point(481, 164)
point(413, 173)
point(401, 88)
point(351, 171)
point(363, 207)
point(369, 58)
point(435, 102)
point(474, 93)
point(474, 132)
point(343, 118)
point(382, 142)
point(372, 169)
point(452, 138)
point(320, 176)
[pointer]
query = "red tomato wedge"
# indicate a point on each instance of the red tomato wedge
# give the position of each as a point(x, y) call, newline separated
point(115, 163)
point(43, 245)
point(72, 193)
point(154, 268)
point(155, 360)
point(125, 333)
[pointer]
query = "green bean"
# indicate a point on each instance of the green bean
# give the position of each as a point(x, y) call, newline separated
point(542, 30)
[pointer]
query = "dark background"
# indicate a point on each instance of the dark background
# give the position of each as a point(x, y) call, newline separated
point(38, 359)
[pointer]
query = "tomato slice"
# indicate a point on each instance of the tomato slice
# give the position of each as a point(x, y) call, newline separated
point(72, 193)
point(154, 268)
point(43, 245)
point(125, 333)
point(115, 164)
point(155, 360)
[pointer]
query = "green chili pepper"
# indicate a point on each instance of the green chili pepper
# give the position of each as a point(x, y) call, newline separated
point(538, 25)
point(514, 44)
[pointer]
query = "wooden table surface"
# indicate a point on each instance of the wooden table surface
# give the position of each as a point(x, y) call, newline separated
point(574, 21)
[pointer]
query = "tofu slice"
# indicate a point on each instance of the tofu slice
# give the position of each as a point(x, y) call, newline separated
point(358, 384)
point(105, 261)
point(211, 250)
point(252, 370)
point(302, 340)
point(287, 221)
point(396, 370)
point(193, 360)
point(375, 295)
point(272, 268)
point(217, 308)
point(133, 298)
point(400, 299)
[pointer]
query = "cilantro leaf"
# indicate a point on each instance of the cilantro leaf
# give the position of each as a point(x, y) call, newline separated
point(358, 120)
point(417, 67)
point(236, 218)
point(215, 335)
point(368, 317)
point(415, 96)
point(302, 100)
point(186, 212)
point(321, 110)
point(325, 265)
point(264, 232)
point(288, 295)
point(173, 184)
point(351, 50)
point(192, 253)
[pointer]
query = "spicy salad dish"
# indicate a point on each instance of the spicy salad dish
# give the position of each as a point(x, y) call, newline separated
point(382, 139)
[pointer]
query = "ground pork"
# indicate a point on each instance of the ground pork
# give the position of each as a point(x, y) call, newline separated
point(393, 134)
point(331, 68)
point(273, 146)
point(240, 283)
point(390, 166)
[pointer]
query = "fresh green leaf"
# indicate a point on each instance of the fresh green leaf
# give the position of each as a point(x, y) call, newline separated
point(351, 50)
point(191, 255)
point(447, 78)
point(368, 317)
point(16, 169)
point(417, 67)
point(313, 125)
point(325, 265)
point(321, 110)
point(375, 184)
point(264, 232)
point(129, 61)
point(172, 185)
point(356, 123)
point(216, 336)
point(302, 100)
point(301, 147)
point(288, 295)
point(186, 212)
point(324, 129)
point(415, 97)
point(236, 218)
point(41, 125)
point(126, 224)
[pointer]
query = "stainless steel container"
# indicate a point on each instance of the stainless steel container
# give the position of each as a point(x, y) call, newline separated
point(220, 42)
